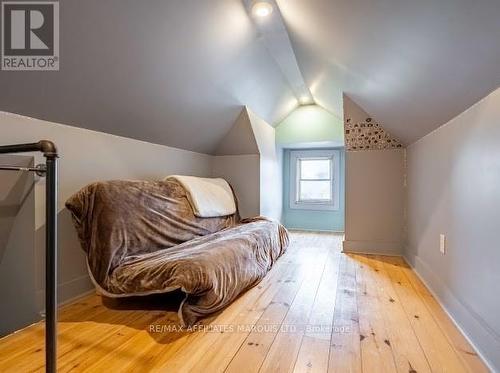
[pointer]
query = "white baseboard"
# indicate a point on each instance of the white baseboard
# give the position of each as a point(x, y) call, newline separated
point(373, 247)
point(455, 309)
point(359, 252)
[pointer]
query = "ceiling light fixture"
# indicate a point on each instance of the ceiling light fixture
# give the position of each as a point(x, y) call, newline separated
point(262, 9)
point(305, 100)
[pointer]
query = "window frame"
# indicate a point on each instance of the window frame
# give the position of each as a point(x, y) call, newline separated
point(295, 157)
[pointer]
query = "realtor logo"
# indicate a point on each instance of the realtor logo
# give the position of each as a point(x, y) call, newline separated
point(30, 35)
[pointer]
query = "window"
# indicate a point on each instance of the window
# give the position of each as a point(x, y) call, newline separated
point(314, 179)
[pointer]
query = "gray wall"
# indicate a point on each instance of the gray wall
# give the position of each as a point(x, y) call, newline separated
point(243, 173)
point(375, 197)
point(237, 160)
point(17, 246)
point(88, 156)
point(271, 178)
point(454, 189)
point(240, 139)
point(250, 160)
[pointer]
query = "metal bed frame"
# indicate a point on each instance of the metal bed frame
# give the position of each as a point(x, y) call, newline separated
point(49, 170)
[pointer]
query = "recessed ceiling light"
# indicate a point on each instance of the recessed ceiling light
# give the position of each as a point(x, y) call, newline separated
point(304, 100)
point(262, 9)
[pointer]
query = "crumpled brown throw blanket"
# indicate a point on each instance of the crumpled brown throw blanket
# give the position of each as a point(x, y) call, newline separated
point(141, 237)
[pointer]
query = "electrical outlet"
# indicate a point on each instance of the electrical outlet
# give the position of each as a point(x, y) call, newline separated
point(442, 243)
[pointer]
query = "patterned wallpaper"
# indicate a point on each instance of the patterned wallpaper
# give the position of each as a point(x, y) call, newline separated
point(368, 135)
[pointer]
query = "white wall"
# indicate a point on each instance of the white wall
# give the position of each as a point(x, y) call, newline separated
point(454, 189)
point(375, 198)
point(87, 156)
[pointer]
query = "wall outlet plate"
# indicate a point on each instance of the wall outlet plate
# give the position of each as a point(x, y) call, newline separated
point(442, 243)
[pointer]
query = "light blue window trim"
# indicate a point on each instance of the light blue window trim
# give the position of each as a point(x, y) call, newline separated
point(295, 158)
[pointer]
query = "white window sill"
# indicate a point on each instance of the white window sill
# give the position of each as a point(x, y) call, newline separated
point(314, 206)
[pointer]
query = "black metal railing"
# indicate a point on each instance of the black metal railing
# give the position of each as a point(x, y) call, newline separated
point(49, 151)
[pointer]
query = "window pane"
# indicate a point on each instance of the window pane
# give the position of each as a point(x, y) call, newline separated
point(315, 169)
point(315, 190)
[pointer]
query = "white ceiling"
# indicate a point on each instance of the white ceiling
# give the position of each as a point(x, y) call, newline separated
point(412, 64)
point(177, 72)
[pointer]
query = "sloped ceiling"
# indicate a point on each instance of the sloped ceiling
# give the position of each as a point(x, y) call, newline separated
point(178, 72)
point(171, 72)
point(411, 64)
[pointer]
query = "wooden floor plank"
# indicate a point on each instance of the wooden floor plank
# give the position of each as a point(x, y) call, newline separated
point(313, 355)
point(321, 319)
point(456, 339)
point(376, 354)
point(87, 308)
point(408, 353)
point(226, 346)
point(90, 353)
point(253, 349)
point(315, 348)
point(31, 341)
point(367, 305)
point(437, 349)
point(345, 349)
point(283, 351)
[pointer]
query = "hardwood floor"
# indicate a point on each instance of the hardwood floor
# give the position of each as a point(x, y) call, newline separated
point(318, 310)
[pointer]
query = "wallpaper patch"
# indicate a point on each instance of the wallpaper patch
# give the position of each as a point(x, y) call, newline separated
point(368, 135)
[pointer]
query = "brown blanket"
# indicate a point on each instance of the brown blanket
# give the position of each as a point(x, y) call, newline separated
point(141, 237)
